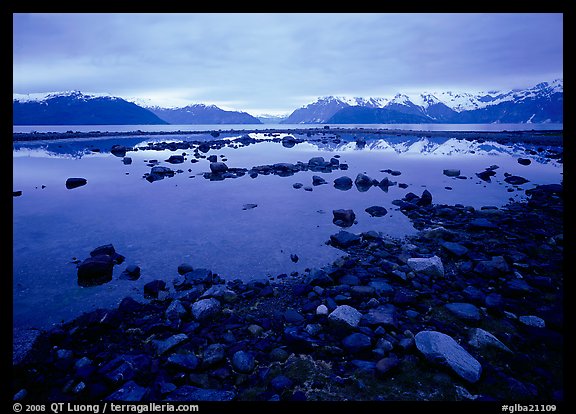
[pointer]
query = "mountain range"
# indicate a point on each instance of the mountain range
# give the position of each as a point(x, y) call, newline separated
point(542, 103)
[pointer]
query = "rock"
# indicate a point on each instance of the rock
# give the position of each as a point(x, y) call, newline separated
point(199, 275)
point(386, 365)
point(184, 268)
point(243, 362)
point(213, 354)
point(317, 180)
point(127, 160)
point(191, 393)
point(319, 277)
point(249, 206)
point(151, 289)
point(187, 362)
point(132, 272)
point(533, 321)
point(479, 338)
point(75, 182)
point(383, 315)
point(292, 316)
point(465, 311)
point(175, 159)
point(297, 185)
point(376, 211)
point(357, 342)
point(343, 218)
point(280, 383)
point(431, 266)
point(218, 167)
point(524, 161)
point(451, 172)
point(425, 199)
point(344, 239)
point(107, 249)
point(485, 175)
point(220, 292)
point(163, 346)
point(455, 248)
point(205, 309)
point(95, 271)
point(322, 310)
point(515, 180)
point(175, 310)
point(343, 183)
point(494, 267)
point(118, 150)
point(345, 316)
point(363, 182)
point(482, 224)
point(442, 349)
point(130, 391)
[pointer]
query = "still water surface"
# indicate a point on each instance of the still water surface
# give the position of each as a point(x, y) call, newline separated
point(188, 218)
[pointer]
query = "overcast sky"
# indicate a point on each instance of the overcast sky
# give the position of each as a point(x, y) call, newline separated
point(259, 62)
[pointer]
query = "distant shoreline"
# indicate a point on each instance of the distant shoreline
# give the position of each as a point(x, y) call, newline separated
point(538, 137)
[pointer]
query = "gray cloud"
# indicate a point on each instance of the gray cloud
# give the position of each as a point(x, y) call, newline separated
point(277, 61)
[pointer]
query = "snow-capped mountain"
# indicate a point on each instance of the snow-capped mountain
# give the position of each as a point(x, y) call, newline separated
point(203, 114)
point(77, 108)
point(539, 104)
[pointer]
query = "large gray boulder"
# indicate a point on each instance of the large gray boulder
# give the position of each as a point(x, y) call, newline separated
point(442, 349)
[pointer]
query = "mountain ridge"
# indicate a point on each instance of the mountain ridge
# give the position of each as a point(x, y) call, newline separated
point(542, 103)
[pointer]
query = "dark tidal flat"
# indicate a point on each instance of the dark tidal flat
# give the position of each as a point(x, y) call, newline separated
point(434, 269)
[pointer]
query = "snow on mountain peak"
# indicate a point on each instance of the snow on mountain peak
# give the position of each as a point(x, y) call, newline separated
point(44, 96)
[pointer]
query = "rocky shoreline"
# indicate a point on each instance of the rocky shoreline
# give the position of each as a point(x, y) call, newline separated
point(536, 137)
point(469, 309)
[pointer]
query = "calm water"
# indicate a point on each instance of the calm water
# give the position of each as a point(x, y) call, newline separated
point(240, 127)
point(187, 218)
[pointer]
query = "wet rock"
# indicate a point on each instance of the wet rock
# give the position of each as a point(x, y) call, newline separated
point(151, 289)
point(343, 218)
point(175, 159)
point(442, 349)
point(187, 362)
point(494, 267)
point(317, 180)
point(344, 239)
point(281, 383)
point(297, 185)
point(218, 167)
point(451, 172)
point(515, 180)
point(213, 354)
point(363, 182)
point(221, 293)
point(376, 211)
point(482, 224)
point(74, 182)
point(127, 160)
point(485, 175)
point(118, 150)
point(425, 199)
point(95, 270)
point(319, 277)
point(184, 268)
point(292, 316)
point(524, 161)
point(132, 272)
point(249, 206)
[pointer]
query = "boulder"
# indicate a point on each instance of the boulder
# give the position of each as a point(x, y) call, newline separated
point(218, 167)
point(344, 239)
point(431, 266)
point(442, 349)
point(95, 270)
point(376, 211)
point(451, 172)
point(205, 309)
point(74, 182)
point(345, 316)
point(343, 218)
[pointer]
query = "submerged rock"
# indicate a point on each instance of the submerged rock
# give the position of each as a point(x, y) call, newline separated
point(75, 182)
point(343, 218)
